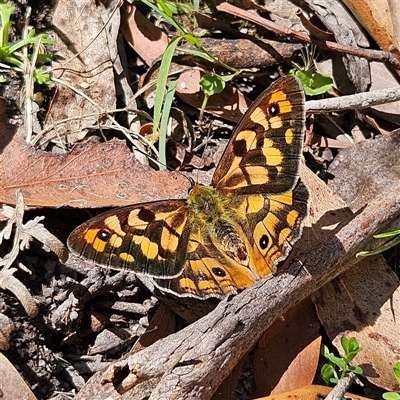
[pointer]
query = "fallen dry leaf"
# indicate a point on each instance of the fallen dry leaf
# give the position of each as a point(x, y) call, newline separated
point(142, 35)
point(83, 61)
point(373, 163)
point(358, 303)
point(162, 324)
point(375, 17)
point(364, 303)
point(311, 392)
point(91, 175)
point(11, 383)
point(382, 78)
point(287, 354)
point(7, 327)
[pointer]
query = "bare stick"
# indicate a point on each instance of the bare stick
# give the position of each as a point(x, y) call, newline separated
point(354, 102)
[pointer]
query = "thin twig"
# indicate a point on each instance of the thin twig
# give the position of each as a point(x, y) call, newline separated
point(356, 101)
point(251, 15)
point(341, 388)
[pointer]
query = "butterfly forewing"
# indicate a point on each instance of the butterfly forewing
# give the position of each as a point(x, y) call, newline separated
point(264, 152)
point(150, 238)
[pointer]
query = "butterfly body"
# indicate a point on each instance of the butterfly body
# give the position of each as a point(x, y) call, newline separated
point(225, 236)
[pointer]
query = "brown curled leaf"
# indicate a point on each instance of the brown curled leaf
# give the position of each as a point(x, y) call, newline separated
point(91, 175)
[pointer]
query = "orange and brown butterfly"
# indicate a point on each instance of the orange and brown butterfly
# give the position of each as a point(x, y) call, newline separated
point(225, 236)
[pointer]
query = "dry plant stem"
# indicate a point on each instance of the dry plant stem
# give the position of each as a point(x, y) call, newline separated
point(10, 282)
point(101, 112)
point(17, 220)
point(29, 66)
point(127, 133)
point(193, 362)
point(341, 388)
point(354, 102)
point(7, 279)
point(372, 55)
point(28, 80)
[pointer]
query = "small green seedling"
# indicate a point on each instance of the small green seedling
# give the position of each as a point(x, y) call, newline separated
point(394, 395)
point(339, 367)
point(314, 83)
point(384, 247)
point(213, 84)
point(9, 52)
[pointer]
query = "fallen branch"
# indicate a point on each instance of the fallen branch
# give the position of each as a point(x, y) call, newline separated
point(356, 101)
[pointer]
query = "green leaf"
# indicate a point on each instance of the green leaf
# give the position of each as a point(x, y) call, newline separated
point(5, 13)
point(380, 249)
point(166, 15)
point(387, 234)
point(198, 53)
point(396, 372)
point(351, 347)
point(179, 8)
point(345, 344)
point(304, 76)
point(4, 52)
point(313, 84)
point(321, 84)
point(391, 396)
point(327, 373)
point(27, 41)
point(5, 23)
point(193, 40)
point(338, 361)
point(42, 77)
point(229, 77)
point(14, 61)
point(164, 122)
point(212, 84)
point(172, 6)
point(355, 369)
point(163, 5)
point(162, 82)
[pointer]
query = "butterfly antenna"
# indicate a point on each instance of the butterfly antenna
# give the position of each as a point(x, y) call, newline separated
point(203, 145)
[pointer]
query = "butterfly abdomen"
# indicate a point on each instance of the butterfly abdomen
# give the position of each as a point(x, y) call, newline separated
point(212, 216)
point(231, 242)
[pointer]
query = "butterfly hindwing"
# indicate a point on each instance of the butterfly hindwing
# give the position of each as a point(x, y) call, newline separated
point(150, 238)
point(208, 272)
point(273, 230)
point(264, 152)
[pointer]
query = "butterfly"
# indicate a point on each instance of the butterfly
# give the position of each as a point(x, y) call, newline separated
point(223, 237)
